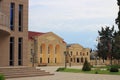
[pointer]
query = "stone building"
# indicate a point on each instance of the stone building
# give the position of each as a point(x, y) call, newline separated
point(13, 32)
point(46, 49)
point(76, 54)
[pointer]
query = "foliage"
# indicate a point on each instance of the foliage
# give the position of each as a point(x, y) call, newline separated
point(60, 69)
point(116, 47)
point(118, 18)
point(2, 77)
point(86, 66)
point(114, 68)
point(105, 42)
point(90, 72)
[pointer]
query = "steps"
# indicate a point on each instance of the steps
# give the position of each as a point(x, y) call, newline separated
point(16, 72)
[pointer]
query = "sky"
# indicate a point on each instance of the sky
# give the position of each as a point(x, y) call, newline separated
point(76, 21)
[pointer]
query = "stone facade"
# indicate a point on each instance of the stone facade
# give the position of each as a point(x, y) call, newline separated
point(46, 49)
point(76, 54)
point(13, 32)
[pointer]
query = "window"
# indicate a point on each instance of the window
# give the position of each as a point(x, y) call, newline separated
point(55, 60)
point(87, 53)
point(78, 60)
point(76, 53)
point(12, 15)
point(40, 60)
point(81, 53)
point(81, 60)
point(20, 44)
point(48, 60)
point(11, 57)
point(71, 59)
point(20, 19)
point(71, 53)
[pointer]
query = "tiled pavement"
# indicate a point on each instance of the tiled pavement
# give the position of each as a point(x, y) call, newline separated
point(70, 76)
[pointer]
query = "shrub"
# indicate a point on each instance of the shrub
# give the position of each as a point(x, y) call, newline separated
point(86, 66)
point(60, 69)
point(114, 68)
point(2, 77)
point(96, 72)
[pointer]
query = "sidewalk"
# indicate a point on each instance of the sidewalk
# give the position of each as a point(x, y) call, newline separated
point(69, 76)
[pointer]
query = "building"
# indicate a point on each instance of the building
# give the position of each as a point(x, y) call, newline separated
point(13, 32)
point(77, 55)
point(46, 49)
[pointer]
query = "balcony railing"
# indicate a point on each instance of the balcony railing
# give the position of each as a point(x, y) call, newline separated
point(4, 22)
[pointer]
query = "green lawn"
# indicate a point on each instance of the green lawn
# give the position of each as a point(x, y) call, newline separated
point(97, 71)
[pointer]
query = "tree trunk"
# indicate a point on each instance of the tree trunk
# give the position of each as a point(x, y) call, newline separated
point(111, 60)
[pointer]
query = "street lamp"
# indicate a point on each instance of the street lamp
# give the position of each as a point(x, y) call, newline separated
point(33, 52)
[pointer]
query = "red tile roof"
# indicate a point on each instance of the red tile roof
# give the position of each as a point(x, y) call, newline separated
point(32, 34)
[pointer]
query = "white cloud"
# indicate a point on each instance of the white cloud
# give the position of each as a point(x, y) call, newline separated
point(71, 15)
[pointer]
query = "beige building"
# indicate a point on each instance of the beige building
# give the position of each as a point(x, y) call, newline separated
point(46, 49)
point(13, 32)
point(76, 54)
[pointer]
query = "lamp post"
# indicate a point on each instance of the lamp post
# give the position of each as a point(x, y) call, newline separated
point(33, 51)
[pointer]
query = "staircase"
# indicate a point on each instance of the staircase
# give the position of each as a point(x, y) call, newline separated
point(16, 72)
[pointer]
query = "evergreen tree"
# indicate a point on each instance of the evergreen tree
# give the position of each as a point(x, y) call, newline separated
point(116, 47)
point(118, 18)
point(86, 66)
point(105, 43)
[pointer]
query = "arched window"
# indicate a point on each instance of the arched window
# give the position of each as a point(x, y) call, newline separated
point(87, 53)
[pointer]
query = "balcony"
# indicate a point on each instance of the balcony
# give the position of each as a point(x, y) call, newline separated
point(4, 24)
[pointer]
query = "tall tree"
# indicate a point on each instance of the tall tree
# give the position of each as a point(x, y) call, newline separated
point(116, 47)
point(105, 43)
point(118, 18)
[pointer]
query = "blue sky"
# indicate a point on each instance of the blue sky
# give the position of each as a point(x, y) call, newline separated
point(76, 21)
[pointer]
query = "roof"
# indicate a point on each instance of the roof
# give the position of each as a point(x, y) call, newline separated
point(32, 34)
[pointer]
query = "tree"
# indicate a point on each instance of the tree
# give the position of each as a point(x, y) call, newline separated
point(118, 18)
point(86, 66)
point(105, 43)
point(116, 46)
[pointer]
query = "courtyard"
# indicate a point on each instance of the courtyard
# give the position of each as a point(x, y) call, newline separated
point(68, 76)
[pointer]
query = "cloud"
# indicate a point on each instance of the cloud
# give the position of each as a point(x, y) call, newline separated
point(71, 16)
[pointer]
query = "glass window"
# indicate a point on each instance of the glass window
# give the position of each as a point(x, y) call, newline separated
point(71, 59)
point(48, 60)
point(40, 60)
point(71, 53)
point(11, 57)
point(12, 15)
point(87, 53)
point(20, 43)
point(55, 60)
point(20, 17)
point(76, 53)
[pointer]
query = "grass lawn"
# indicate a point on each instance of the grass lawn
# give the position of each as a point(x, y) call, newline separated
point(97, 71)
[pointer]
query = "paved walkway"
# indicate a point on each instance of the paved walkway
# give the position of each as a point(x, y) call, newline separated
point(69, 76)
